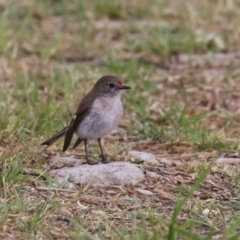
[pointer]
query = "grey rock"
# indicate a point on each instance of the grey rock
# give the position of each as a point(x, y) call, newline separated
point(144, 156)
point(114, 173)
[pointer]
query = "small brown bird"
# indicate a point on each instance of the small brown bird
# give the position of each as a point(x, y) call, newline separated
point(99, 112)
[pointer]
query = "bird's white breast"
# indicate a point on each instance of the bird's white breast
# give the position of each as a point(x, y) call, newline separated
point(104, 116)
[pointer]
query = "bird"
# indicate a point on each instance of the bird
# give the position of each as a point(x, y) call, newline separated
point(98, 113)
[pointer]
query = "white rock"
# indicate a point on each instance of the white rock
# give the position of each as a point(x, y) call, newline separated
point(144, 156)
point(227, 160)
point(144, 191)
point(205, 212)
point(115, 173)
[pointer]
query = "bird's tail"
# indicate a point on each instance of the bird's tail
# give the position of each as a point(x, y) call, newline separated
point(55, 137)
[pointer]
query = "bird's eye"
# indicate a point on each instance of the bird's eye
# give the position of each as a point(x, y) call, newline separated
point(111, 85)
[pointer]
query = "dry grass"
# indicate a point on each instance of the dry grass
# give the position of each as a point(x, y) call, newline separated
point(182, 61)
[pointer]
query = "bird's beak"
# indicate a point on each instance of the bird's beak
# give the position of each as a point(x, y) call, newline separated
point(124, 87)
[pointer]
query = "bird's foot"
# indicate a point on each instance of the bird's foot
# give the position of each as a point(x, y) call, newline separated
point(104, 160)
point(91, 163)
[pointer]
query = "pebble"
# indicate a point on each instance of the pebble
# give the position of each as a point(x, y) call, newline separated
point(144, 156)
point(144, 191)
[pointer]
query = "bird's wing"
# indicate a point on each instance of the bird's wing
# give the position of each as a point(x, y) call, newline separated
point(83, 109)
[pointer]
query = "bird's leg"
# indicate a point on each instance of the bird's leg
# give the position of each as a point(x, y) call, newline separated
point(86, 152)
point(104, 160)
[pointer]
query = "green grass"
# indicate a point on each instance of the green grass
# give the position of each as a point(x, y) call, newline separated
point(52, 52)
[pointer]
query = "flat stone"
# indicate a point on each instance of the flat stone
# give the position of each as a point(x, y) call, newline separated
point(144, 156)
point(114, 173)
